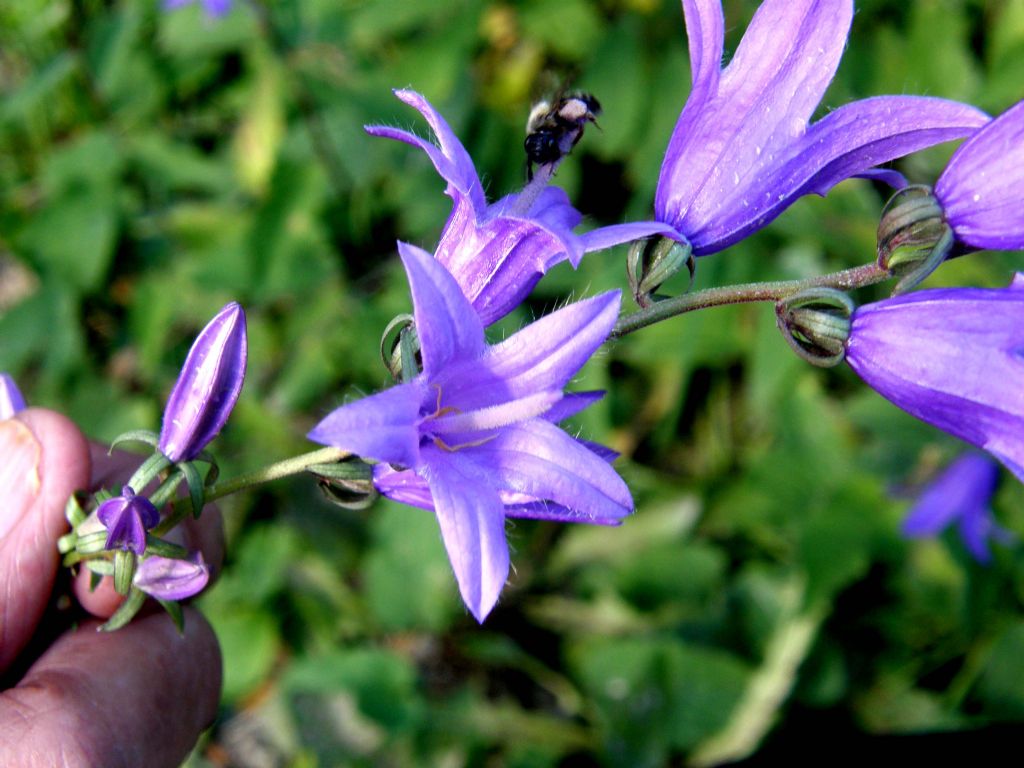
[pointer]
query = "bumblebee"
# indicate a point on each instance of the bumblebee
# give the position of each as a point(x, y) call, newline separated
point(554, 127)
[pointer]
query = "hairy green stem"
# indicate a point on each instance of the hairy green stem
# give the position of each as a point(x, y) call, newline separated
point(847, 279)
point(293, 466)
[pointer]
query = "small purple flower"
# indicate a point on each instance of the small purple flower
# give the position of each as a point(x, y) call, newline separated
point(127, 518)
point(961, 495)
point(11, 400)
point(497, 253)
point(982, 187)
point(207, 387)
point(168, 578)
point(214, 8)
point(475, 427)
point(743, 150)
point(952, 357)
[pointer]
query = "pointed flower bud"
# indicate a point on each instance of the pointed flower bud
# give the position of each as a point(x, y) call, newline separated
point(11, 400)
point(961, 495)
point(981, 188)
point(207, 387)
point(167, 578)
point(952, 358)
point(127, 518)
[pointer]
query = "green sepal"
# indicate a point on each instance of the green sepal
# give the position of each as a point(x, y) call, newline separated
point(91, 543)
point(816, 324)
point(99, 567)
point(166, 490)
point(651, 262)
point(149, 469)
point(177, 615)
point(164, 548)
point(67, 543)
point(196, 489)
point(136, 598)
point(144, 436)
point(125, 562)
point(391, 353)
point(349, 497)
point(73, 511)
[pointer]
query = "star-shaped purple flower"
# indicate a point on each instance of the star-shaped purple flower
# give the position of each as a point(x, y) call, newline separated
point(961, 495)
point(475, 427)
point(952, 357)
point(982, 186)
point(743, 149)
point(497, 253)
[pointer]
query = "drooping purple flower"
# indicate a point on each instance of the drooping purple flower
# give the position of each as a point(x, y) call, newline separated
point(207, 387)
point(952, 357)
point(961, 495)
point(167, 578)
point(982, 186)
point(743, 149)
point(11, 400)
point(473, 427)
point(127, 518)
point(497, 253)
point(214, 8)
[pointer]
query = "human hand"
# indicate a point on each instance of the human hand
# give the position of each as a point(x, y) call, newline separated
point(137, 696)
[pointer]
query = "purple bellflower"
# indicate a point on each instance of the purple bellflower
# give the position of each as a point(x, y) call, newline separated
point(952, 357)
point(961, 495)
point(981, 189)
point(743, 150)
point(214, 8)
point(497, 253)
point(127, 518)
point(475, 427)
point(168, 578)
point(11, 400)
point(207, 387)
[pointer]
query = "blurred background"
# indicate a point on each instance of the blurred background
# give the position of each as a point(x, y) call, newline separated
point(155, 165)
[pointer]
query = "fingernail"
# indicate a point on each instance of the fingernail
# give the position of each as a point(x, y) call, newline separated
point(20, 454)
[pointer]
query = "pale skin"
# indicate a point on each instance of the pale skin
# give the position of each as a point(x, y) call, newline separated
point(78, 697)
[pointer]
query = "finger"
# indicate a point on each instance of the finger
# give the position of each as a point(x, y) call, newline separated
point(137, 696)
point(43, 459)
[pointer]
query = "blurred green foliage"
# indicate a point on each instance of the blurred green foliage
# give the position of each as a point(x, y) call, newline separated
point(154, 166)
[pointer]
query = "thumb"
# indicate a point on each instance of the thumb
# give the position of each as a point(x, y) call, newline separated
point(43, 459)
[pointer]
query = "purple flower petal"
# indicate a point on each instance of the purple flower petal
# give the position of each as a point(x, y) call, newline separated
point(538, 459)
point(450, 158)
point(127, 518)
point(383, 426)
point(11, 400)
point(742, 150)
point(967, 484)
point(543, 356)
point(208, 386)
point(472, 520)
point(961, 495)
point(983, 185)
point(497, 253)
point(171, 579)
point(951, 357)
point(845, 143)
point(446, 324)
